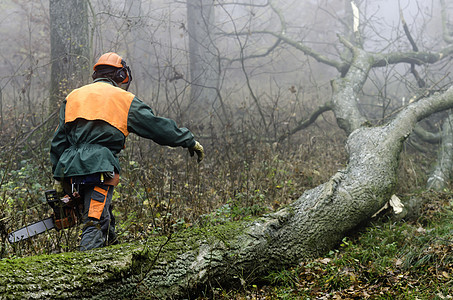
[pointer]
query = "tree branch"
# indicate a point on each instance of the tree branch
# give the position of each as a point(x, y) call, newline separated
point(421, 83)
point(417, 58)
point(427, 136)
point(307, 50)
point(281, 36)
point(264, 54)
point(307, 122)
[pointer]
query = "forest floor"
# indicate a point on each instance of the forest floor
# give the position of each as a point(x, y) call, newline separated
point(162, 191)
point(386, 260)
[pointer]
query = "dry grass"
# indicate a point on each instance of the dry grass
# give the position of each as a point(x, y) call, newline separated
point(162, 189)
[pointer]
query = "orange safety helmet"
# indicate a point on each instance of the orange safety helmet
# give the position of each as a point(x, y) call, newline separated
point(123, 72)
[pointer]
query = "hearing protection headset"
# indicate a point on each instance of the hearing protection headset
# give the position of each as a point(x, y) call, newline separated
point(122, 74)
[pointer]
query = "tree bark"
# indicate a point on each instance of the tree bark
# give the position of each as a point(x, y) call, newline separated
point(70, 61)
point(441, 175)
point(347, 88)
point(203, 56)
point(193, 261)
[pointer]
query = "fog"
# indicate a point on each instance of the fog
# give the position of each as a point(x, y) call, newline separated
point(285, 96)
point(153, 37)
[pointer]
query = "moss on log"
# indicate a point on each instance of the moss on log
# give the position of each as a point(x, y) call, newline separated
point(117, 272)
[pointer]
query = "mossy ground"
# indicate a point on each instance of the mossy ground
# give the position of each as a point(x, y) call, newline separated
point(387, 260)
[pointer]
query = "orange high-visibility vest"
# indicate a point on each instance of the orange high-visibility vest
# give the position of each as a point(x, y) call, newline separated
point(100, 101)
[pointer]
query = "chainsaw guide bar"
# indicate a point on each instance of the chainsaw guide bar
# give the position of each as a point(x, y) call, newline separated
point(31, 230)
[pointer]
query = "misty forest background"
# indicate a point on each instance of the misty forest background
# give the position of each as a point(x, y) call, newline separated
point(236, 73)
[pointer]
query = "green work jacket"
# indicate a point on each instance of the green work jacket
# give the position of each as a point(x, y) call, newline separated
point(93, 125)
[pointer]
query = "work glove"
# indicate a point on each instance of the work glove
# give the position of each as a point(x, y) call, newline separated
point(197, 148)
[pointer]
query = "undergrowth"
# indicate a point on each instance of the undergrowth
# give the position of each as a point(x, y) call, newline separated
point(163, 189)
point(386, 260)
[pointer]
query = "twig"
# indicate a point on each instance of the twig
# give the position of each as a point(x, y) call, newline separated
point(36, 128)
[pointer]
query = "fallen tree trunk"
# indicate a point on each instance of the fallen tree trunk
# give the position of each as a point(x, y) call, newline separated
point(193, 261)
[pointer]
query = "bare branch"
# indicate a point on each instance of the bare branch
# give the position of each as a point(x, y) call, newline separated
point(233, 3)
point(417, 58)
point(264, 54)
point(255, 99)
point(245, 4)
point(276, 43)
point(307, 50)
point(307, 122)
point(408, 33)
point(421, 83)
point(282, 37)
point(427, 136)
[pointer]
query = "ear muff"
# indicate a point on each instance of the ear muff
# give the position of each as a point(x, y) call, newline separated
point(121, 76)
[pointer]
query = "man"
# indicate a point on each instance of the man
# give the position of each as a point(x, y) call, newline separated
point(93, 125)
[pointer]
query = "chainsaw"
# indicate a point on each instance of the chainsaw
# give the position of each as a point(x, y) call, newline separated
point(66, 213)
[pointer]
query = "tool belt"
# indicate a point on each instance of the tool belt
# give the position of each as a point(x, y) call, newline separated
point(107, 178)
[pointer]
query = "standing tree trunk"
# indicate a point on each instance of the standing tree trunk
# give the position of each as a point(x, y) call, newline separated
point(203, 55)
point(69, 47)
point(441, 175)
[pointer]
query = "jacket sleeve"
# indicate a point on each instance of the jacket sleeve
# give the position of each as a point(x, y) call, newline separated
point(142, 121)
point(59, 141)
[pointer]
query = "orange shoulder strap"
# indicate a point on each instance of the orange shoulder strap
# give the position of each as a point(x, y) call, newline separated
point(100, 101)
